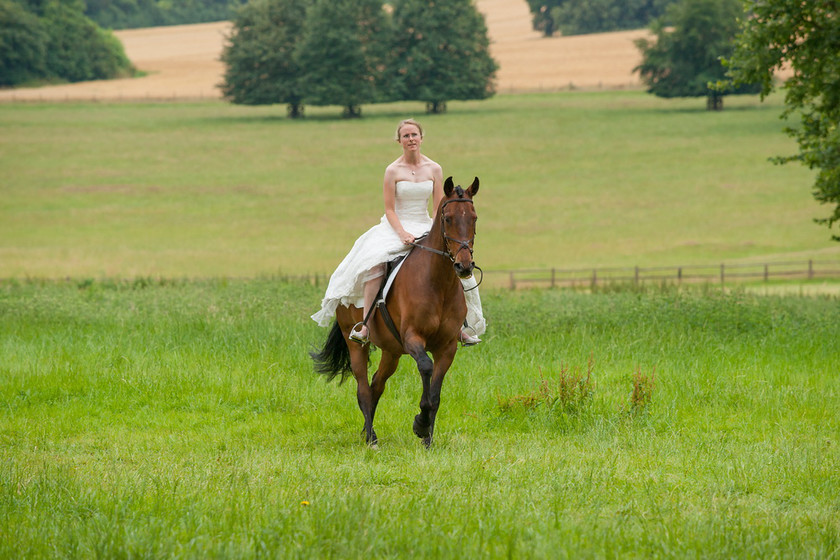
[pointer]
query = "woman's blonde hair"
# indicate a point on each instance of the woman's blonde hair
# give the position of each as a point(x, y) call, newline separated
point(405, 122)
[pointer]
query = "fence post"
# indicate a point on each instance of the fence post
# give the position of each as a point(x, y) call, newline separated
point(721, 274)
point(552, 276)
point(766, 272)
point(636, 276)
point(594, 277)
point(512, 281)
point(679, 275)
point(810, 269)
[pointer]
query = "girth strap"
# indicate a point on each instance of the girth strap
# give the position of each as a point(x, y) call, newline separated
point(389, 322)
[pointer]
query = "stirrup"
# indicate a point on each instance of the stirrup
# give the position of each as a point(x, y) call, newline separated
point(356, 334)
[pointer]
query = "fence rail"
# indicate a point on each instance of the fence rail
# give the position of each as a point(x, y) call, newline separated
point(718, 274)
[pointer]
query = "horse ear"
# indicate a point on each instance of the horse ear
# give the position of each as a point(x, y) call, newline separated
point(474, 187)
point(448, 185)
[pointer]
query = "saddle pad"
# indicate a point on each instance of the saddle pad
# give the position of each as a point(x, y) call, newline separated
point(393, 274)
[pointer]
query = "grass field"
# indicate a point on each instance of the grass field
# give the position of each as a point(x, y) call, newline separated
point(181, 419)
point(568, 180)
point(157, 399)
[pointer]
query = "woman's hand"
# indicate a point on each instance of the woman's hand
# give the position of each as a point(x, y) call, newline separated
point(406, 238)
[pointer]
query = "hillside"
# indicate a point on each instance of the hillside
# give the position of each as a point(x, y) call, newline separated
point(182, 62)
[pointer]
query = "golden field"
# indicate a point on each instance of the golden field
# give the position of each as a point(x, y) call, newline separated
point(182, 62)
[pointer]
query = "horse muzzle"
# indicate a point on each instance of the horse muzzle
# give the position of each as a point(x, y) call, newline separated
point(464, 271)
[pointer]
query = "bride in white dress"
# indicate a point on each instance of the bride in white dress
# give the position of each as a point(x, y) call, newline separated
point(410, 181)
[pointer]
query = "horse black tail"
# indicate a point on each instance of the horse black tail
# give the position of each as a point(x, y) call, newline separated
point(334, 357)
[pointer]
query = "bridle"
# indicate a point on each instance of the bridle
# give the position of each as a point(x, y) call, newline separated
point(446, 239)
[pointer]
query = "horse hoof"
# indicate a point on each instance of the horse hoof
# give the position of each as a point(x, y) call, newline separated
point(421, 430)
point(371, 438)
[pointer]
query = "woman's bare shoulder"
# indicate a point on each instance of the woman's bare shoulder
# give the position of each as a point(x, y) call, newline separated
point(392, 169)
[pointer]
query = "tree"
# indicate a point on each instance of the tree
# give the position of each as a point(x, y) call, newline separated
point(342, 54)
point(53, 40)
point(805, 37)
point(78, 49)
point(22, 45)
point(440, 53)
point(259, 56)
point(685, 57)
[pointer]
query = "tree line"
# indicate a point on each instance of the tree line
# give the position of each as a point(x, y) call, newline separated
point(355, 52)
point(577, 17)
point(129, 14)
point(52, 40)
point(569, 17)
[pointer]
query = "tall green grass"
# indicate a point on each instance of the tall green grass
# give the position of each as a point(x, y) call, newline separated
point(576, 179)
point(169, 418)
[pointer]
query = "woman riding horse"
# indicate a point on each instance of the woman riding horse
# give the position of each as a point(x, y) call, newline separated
point(409, 182)
point(426, 309)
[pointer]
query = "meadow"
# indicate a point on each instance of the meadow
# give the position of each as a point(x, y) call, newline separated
point(157, 398)
point(577, 179)
point(182, 419)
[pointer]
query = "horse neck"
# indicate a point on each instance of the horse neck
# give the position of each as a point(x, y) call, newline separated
point(439, 264)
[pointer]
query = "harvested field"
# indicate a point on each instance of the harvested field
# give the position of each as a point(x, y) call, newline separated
point(182, 62)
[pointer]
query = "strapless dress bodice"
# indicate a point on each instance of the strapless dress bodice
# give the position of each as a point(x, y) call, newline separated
point(412, 200)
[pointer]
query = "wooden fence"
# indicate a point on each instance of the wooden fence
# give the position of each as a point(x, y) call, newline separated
point(718, 274)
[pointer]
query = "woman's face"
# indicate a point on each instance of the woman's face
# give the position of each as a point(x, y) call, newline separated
point(410, 137)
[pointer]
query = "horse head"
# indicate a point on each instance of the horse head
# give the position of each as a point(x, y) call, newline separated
point(457, 223)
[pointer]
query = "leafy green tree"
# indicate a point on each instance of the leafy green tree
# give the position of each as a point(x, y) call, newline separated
point(342, 54)
point(53, 40)
point(22, 45)
point(440, 53)
point(685, 57)
point(804, 37)
point(259, 56)
point(77, 48)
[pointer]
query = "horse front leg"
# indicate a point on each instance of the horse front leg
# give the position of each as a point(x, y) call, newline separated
point(431, 374)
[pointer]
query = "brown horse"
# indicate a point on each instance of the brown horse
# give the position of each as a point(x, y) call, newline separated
point(427, 307)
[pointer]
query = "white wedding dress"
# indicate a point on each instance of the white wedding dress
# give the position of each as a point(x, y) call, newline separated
point(381, 244)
